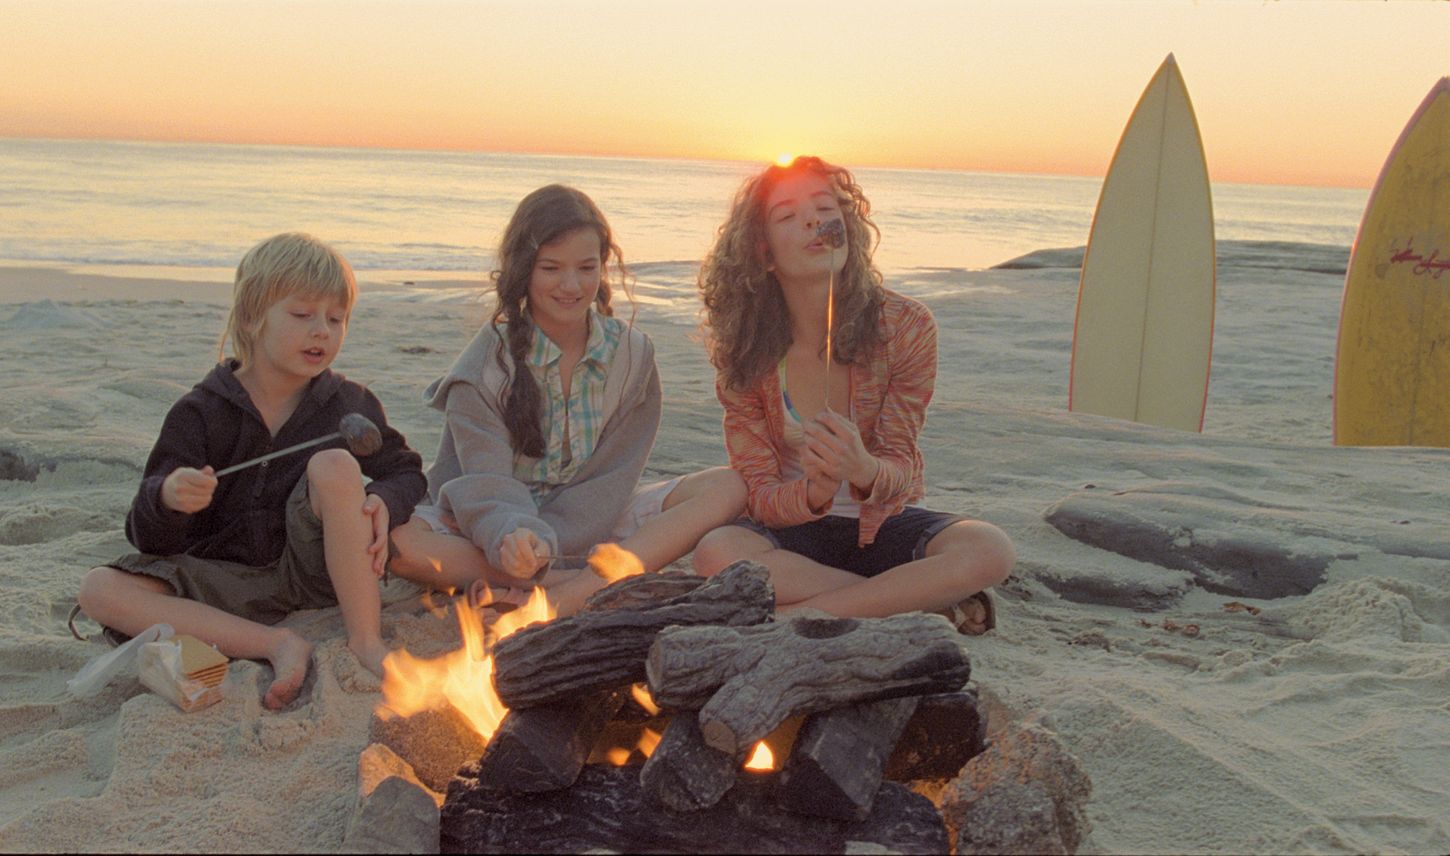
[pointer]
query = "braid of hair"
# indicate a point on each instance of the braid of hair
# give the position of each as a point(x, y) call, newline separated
point(522, 408)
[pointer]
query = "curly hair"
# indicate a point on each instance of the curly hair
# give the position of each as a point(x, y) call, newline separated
point(543, 217)
point(746, 324)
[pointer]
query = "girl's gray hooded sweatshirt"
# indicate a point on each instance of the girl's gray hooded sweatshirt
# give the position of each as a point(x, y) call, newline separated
point(472, 478)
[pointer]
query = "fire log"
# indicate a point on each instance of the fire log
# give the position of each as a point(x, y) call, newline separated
point(544, 748)
point(643, 590)
point(604, 647)
point(840, 756)
point(684, 773)
point(606, 811)
point(946, 731)
point(746, 680)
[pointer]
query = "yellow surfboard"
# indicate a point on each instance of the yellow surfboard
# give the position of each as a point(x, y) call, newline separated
point(1143, 338)
point(1392, 365)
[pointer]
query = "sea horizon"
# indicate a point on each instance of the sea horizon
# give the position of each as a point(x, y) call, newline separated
point(620, 156)
point(172, 209)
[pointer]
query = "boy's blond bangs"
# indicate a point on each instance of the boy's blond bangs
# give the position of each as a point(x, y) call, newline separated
point(287, 265)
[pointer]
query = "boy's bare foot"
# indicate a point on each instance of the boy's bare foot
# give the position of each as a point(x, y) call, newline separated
point(371, 655)
point(290, 660)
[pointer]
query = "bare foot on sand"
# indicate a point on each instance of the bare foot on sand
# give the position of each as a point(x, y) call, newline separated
point(370, 655)
point(290, 660)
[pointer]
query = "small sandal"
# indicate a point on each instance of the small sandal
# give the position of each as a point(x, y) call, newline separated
point(111, 635)
point(963, 620)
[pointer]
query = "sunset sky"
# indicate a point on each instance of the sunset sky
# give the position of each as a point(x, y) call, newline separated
point(1285, 92)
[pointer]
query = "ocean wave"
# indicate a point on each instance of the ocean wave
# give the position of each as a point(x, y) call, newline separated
point(1271, 255)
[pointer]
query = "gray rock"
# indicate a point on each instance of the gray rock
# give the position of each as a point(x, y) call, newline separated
point(399, 816)
point(1025, 794)
point(435, 742)
point(1230, 543)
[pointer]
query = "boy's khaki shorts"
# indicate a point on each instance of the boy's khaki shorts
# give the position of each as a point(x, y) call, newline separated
point(265, 594)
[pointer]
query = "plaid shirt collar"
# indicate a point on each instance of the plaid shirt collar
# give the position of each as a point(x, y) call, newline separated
point(544, 352)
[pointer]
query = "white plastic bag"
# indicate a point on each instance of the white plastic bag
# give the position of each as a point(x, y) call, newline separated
point(95, 675)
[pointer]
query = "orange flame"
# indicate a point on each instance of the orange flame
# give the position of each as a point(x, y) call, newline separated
point(648, 740)
point(762, 759)
point(613, 563)
point(645, 700)
point(462, 678)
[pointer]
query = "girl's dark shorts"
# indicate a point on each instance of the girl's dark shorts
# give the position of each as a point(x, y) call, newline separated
point(265, 594)
point(831, 541)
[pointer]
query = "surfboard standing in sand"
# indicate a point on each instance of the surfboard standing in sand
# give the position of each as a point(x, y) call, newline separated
point(1143, 337)
point(1392, 366)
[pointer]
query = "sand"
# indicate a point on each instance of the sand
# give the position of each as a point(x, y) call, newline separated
point(1321, 723)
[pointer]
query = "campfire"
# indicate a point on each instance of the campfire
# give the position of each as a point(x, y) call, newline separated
point(462, 679)
point(672, 713)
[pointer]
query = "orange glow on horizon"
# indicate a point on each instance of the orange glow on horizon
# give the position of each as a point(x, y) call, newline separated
point(1313, 94)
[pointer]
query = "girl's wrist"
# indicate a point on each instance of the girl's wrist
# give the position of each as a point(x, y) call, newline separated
point(866, 476)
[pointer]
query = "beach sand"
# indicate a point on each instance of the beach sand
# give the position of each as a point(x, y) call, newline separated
point(1319, 723)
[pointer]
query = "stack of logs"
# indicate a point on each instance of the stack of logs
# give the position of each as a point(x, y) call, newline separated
point(880, 699)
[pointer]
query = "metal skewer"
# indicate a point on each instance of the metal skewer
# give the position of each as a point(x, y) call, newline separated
point(362, 436)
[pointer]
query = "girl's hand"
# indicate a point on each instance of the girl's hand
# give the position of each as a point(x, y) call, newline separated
point(834, 448)
point(188, 490)
point(377, 511)
point(522, 553)
point(820, 488)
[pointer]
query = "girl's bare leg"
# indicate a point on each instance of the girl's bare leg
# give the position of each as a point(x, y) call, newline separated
point(699, 503)
point(966, 557)
point(441, 561)
point(131, 603)
point(795, 577)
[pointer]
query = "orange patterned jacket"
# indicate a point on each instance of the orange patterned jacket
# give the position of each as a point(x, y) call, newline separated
point(889, 396)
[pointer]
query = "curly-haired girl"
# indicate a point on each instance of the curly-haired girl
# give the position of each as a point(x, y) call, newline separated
point(551, 412)
point(828, 448)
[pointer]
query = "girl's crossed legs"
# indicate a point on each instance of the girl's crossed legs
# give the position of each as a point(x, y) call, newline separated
point(663, 522)
point(920, 560)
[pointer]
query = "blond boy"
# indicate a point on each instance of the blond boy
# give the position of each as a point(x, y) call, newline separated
point(225, 559)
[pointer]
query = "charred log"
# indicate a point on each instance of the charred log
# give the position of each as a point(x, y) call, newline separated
point(606, 810)
point(604, 647)
point(544, 748)
point(840, 756)
point(746, 680)
point(684, 773)
point(946, 731)
point(643, 590)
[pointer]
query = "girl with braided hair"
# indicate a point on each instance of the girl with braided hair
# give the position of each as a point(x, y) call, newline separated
point(551, 411)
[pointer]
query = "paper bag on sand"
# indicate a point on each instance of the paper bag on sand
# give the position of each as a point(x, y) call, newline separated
point(184, 670)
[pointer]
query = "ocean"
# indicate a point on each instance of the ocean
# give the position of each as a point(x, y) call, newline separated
point(401, 216)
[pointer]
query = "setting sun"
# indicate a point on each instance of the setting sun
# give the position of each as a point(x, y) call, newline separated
point(784, 159)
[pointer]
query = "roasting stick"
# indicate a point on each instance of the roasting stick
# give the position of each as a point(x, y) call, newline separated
point(833, 234)
point(361, 434)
